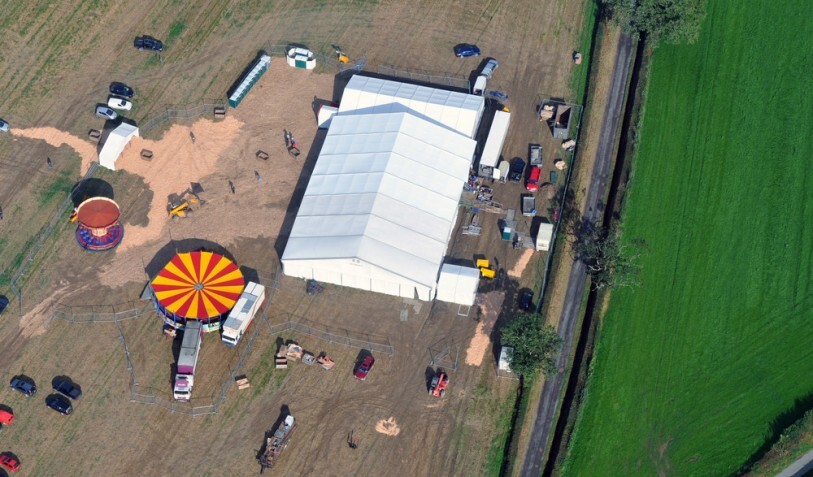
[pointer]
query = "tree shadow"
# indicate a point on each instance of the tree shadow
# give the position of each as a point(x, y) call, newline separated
point(780, 423)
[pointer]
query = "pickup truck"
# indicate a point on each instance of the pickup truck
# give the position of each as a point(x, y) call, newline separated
point(535, 154)
point(528, 205)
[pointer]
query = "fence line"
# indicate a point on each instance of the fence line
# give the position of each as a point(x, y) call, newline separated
point(187, 111)
point(97, 313)
point(426, 76)
point(324, 335)
point(42, 237)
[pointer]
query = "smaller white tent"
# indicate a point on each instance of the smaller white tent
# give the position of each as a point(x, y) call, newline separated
point(458, 284)
point(543, 237)
point(115, 143)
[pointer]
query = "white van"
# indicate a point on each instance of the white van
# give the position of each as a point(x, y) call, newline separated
point(479, 85)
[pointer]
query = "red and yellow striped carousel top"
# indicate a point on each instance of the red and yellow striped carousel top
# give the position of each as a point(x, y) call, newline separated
point(198, 285)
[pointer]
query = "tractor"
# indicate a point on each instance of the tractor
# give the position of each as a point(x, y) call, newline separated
point(439, 382)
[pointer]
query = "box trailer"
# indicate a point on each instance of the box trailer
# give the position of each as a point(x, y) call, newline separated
point(494, 142)
point(243, 313)
point(188, 360)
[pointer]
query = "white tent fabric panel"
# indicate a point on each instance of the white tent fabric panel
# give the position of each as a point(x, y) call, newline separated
point(115, 143)
point(458, 111)
point(380, 205)
point(458, 284)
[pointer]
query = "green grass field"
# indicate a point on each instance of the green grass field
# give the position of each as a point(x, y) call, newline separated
point(700, 368)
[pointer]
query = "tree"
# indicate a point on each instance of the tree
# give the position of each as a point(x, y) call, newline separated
point(672, 21)
point(611, 262)
point(534, 345)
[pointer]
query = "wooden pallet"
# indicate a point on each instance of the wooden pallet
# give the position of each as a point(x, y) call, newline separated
point(146, 154)
point(219, 112)
point(242, 382)
point(262, 155)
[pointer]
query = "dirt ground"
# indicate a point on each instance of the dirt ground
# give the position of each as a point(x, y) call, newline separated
point(51, 82)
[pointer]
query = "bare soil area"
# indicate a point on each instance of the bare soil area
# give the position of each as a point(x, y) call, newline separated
point(58, 67)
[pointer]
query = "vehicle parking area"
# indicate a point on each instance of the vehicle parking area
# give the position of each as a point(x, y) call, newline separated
point(402, 430)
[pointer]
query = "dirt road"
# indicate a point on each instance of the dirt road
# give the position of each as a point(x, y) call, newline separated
point(544, 424)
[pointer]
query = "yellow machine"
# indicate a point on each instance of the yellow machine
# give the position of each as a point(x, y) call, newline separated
point(178, 205)
point(341, 56)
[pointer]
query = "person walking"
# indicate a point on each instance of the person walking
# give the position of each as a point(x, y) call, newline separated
point(50, 164)
point(258, 176)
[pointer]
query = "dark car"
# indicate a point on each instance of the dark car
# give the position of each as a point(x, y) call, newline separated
point(68, 388)
point(364, 368)
point(121, 89)
point(3, 303)
point(8, 461)
point(526, 299)
point(148, 43)
point(24, 384)
point(517, 168)
point(59, 403)
point(464, 50)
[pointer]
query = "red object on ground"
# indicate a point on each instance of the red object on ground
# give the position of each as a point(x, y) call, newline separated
point(439, 383)
point(532, 184)
point(98, 212)
point(365, 367)
point(8, 461)
point(6, 417)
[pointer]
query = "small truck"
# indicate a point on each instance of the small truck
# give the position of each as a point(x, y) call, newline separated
point(528, 205)
point(188, 360)
point(277, 442)
point(243, 313)
point(535, 154)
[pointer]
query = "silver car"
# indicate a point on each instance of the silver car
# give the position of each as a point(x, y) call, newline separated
point(106, 112)
point(489, 68)
point(3, 126)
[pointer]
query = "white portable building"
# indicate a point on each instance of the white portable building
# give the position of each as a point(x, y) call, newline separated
point(458, 111)
point(115, 143)
point(543, 237)
point(380, 205)
point(494, 142)
point(458, 284)
point(504, 364)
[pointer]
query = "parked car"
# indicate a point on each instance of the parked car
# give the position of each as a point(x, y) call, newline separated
point(364, 368)
point(6, 417)
point(67, 387)
point(148, 43)
point(104, 112)
point(3, 303)
point(119, 103)
point(517, 168)
point(59, 403)
point(121, 89)
point(465, 50)
point(8, 461)
point(526, 299)
point(489, 68)
point(3, 126)
point(532, 183)
point(24, 384)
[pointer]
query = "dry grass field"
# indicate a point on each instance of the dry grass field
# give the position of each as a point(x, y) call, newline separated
point(56, 65)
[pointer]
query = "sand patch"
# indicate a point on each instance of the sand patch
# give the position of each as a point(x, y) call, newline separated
point(177, 161)
point(517, 270)
point(490, 305)
point(56, 138)
point(388, 427)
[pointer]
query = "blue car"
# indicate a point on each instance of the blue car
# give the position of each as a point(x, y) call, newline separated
point(464, 50)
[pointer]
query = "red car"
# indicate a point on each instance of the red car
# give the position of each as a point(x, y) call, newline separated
point(9, 462)
point(365, 367)
point(532, 184)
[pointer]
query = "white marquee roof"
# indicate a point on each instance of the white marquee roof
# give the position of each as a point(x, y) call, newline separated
point(458, 284)
point(459, 111)
point(385, 190)
point(114, 144)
